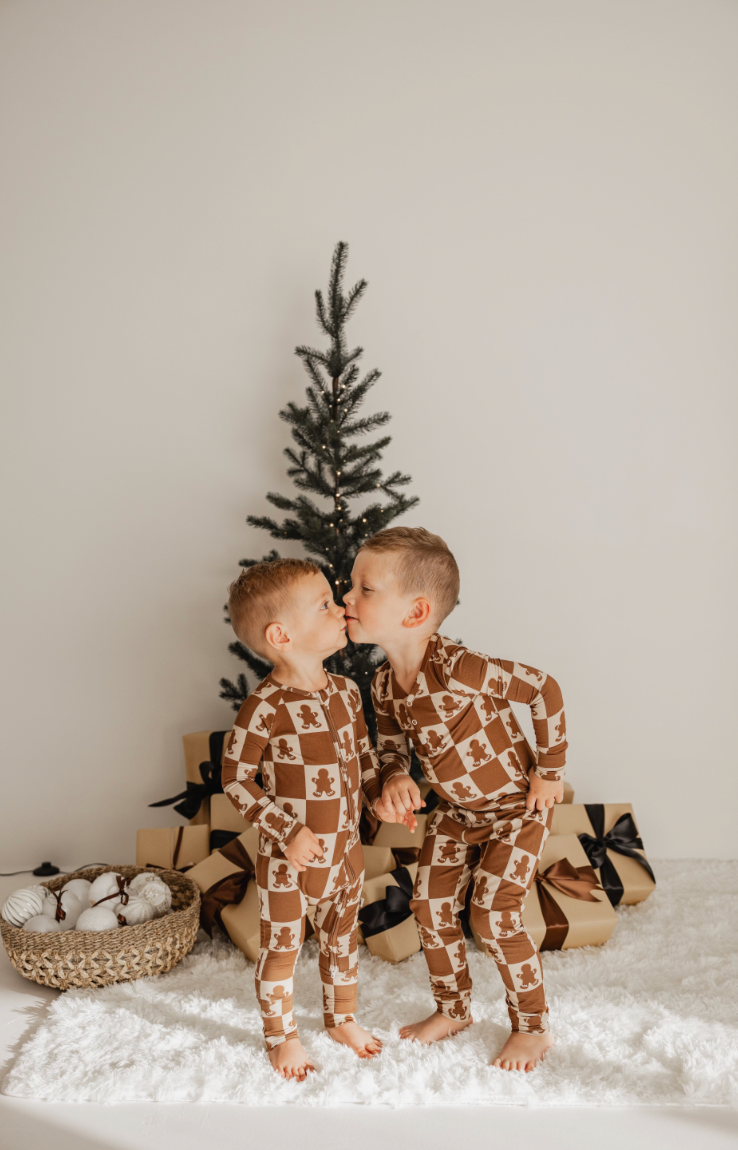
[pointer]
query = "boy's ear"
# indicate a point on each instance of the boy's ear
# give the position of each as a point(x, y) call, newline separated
point(418, 614)
point(277, 637)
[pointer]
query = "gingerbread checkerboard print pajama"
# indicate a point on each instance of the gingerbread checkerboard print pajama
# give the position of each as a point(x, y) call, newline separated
point(458, 718)
point(316, 760)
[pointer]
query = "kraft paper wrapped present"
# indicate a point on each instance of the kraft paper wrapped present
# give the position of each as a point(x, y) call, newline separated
point(174, 848)
point(226, 823)
point(396, 836)
point(241, 922)
point(203, 751)
point(224, 876)
point(377, 861)
point(565, 907)
point(386, 922)
point(609, 835)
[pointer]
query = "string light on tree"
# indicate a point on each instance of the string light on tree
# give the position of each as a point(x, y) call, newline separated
point(330, 424)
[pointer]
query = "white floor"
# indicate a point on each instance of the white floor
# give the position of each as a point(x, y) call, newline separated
point(25, 1125)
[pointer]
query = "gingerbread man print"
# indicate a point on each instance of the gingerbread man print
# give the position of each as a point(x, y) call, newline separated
point(276, 822)
point(448, 853)
point(477, 753)
point(323, 784)
point(354, 699)
point(527, 977)
point(488, 707)
point(309, 718)
point(428, 940)
point(278, 995)
point(463, 794)
point(449, 706)
point(446, 918)
point(231, 743)
point(264, 725)
point(532, 672)
point(284, 750)
point(433, 743)
point(561, 726)
point(480, 890)
point(505, 923)
point(289, 810)
point(284, 939)
point(282, 877)
point(346, 747)
point(520, 871)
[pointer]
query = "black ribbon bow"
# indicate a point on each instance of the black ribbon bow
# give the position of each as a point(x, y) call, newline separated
point(391, 910)
point(623, 839)
point(188, 801)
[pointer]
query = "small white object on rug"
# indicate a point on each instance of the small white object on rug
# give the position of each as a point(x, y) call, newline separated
point(650, 1018)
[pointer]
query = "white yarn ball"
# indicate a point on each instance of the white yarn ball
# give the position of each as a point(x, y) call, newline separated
point(158, 894)
point(135, 911)
point(104, 885)
point(70, 904)
point(97, 918)
point(80, 887)
point(41, 924)
point(23, 904)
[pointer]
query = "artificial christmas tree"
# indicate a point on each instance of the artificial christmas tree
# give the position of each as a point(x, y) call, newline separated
point(330, 461)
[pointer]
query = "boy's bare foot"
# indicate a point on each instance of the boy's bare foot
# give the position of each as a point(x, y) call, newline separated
point(290, 1060)
point(523, 1051)
point(356, 1038)
point(433, 1029)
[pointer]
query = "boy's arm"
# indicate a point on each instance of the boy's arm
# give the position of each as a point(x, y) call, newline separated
point(519, 683)
point(244, 751)
point(371, 784)
point(392, 748)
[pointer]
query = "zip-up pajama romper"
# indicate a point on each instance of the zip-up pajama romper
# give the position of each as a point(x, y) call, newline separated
point(457, 716)
point(316, 758)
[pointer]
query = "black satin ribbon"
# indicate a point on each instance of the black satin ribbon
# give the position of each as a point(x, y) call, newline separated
point(623, 839)
point(228, 890)
point(391, 910)
point(188, 801)
point(220, 839)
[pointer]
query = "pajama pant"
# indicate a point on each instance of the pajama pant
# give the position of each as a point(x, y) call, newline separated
point(500, 855)
point(282, 928)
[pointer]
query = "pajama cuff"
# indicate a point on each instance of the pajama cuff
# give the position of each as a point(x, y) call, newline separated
point(552, 776)
point(391, 771)
point(291, 834)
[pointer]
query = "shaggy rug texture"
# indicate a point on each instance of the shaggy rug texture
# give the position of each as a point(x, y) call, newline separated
point(650, 1018)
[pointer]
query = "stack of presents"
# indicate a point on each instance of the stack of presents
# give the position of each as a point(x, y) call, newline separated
point(592, 862)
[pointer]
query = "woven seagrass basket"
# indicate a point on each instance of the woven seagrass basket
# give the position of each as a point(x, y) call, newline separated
point(96, 958)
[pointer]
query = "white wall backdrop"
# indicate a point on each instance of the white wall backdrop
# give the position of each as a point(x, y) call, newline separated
point(542, 197)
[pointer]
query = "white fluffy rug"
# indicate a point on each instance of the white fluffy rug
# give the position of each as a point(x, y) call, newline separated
point(651, 1018)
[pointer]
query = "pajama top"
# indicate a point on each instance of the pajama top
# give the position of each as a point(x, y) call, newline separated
point(458, 718)
point(315, 758)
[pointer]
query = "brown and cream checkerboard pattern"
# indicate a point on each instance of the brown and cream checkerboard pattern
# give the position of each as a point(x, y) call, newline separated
point(316, 759)
point(458, 718)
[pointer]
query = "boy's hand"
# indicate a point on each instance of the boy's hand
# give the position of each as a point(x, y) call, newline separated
point(400, 797)
point(387, 814)
point(542, 793)
point(303, 850)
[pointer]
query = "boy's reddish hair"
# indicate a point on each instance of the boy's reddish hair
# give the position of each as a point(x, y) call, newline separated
point(260, 594)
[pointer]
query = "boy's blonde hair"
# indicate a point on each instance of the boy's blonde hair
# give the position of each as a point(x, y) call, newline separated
point(260, 594)
point(423, 565)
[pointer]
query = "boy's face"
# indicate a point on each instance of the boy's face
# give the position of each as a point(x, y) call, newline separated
point(314, 623)
point(376, 612)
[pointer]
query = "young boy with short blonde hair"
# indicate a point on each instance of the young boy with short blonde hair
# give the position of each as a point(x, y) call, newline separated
point(305, 730)
point(452, 706)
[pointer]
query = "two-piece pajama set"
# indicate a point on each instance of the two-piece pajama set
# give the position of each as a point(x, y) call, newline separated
point(457, 716)
point(315, 757)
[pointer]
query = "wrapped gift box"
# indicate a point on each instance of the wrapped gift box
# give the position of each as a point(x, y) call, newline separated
point(565, 906)
point(396, 836)
point(241, 921)
point(174, 848)
point(204, 747)
point(568, 792)
point(377, 861)
point(224, 875)
point(400, 939)
point(225, 822)
point(607, 831)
